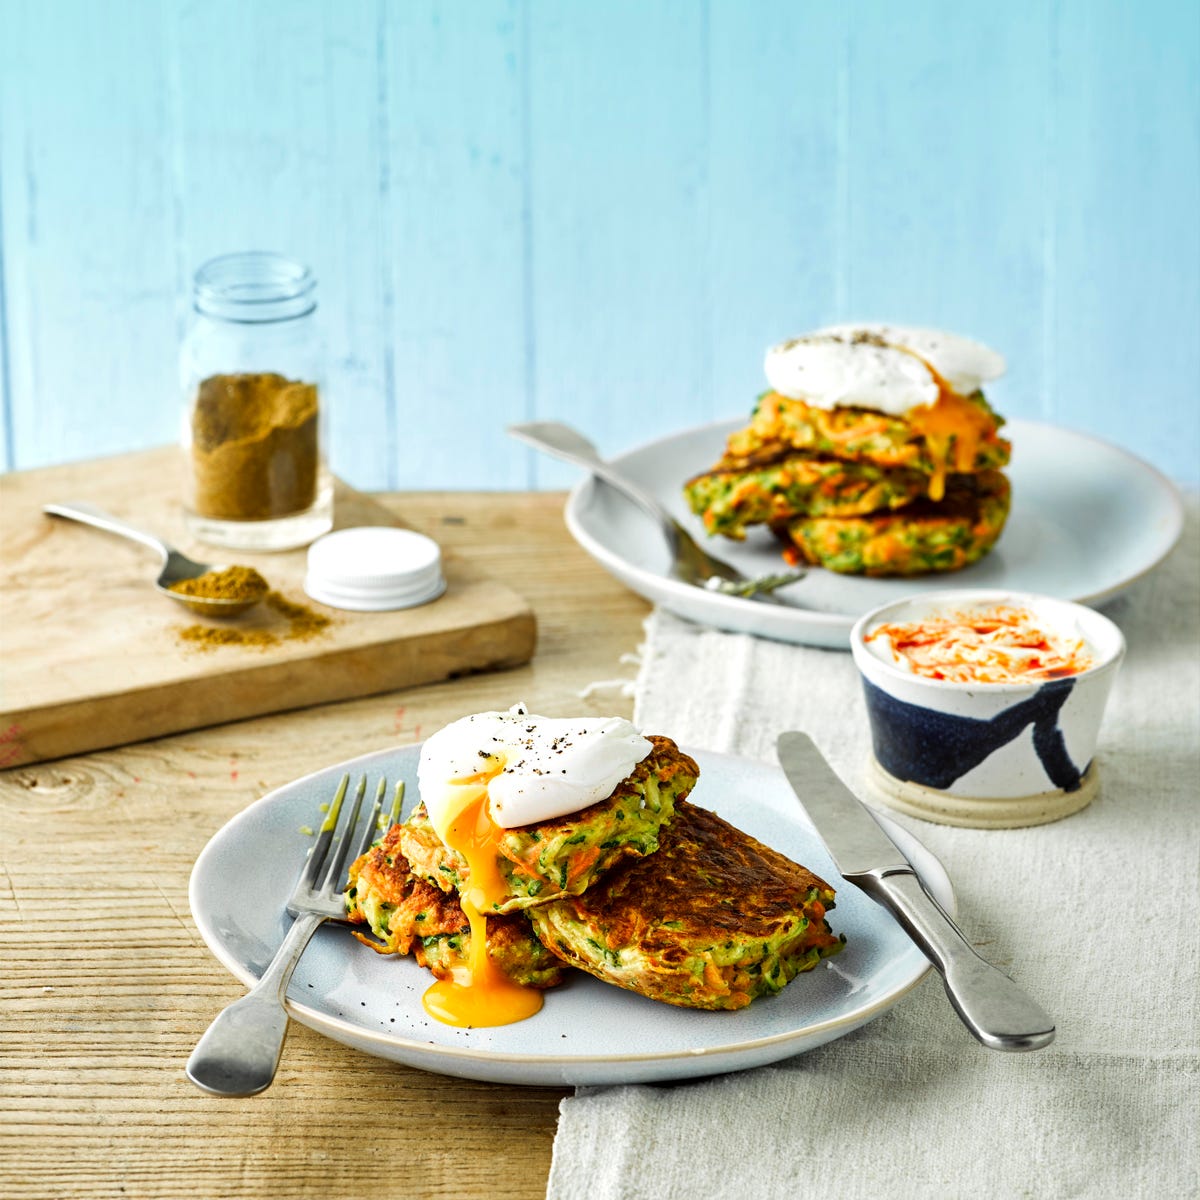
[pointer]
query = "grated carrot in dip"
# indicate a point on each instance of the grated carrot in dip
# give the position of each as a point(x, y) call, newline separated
point(996, 645)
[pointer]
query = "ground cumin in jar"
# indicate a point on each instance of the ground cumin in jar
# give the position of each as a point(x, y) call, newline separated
point(255, 447)
point(253, 431)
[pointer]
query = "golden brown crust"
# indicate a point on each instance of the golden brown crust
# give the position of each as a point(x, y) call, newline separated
point(711, 920)
point(708, 876)
point(384, 869)
point(383, 874)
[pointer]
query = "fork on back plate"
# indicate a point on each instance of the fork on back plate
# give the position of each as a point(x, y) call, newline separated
point(239, 1052)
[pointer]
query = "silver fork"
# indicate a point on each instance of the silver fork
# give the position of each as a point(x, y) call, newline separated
point(239, 1053)
point(690, 563)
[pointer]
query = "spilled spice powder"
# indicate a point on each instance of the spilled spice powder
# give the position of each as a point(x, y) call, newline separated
point(302, 624)
point(208, 636)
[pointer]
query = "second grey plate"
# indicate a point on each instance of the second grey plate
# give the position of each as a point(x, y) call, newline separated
point(1087, 520)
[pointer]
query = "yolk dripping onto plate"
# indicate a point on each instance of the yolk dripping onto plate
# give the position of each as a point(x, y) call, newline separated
point(952, 427)
point(480, 994)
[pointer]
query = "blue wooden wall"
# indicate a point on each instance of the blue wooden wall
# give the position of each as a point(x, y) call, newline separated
point(597, 210)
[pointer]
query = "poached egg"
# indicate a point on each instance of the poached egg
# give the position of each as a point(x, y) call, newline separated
point(921, 375)
point(963, 363)
point(494, 771)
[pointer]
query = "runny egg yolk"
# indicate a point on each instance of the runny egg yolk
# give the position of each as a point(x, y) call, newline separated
point(479, 994)
point(951, 421)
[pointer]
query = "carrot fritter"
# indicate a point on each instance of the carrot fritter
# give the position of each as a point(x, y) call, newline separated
point(919, 538)
point(405, 913)
point(566, 855)
point(858, 435)
point(736, 494)
point(712, 920)
point(383, 893)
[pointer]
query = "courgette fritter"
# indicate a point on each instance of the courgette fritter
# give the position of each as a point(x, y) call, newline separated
point(712, 920)
point(919, 538)
point(565, 856)
point(406, 914)
point(857, 435)
point(736, 494)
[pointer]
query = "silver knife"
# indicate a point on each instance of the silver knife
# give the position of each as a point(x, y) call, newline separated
point(990, 1004)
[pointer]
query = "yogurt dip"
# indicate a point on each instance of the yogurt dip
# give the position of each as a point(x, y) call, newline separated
point(999, 643)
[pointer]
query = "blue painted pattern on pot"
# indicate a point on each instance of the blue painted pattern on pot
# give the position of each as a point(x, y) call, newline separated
point(935, 749)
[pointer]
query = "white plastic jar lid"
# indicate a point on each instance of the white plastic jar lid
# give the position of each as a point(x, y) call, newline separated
point(374, 568)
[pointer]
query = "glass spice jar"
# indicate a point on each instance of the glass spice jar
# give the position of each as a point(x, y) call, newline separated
point(255, 413)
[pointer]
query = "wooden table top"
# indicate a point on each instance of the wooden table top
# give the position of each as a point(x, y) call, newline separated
point(105, 984)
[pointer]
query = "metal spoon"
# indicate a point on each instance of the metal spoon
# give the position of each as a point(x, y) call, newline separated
point(175, 566)
point(690, 563)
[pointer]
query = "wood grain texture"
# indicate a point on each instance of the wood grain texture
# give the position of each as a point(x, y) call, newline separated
point(522, 208)
point(960, 242)
point(457, 322)
point(6, 413)
point(94, 656)
point(302, 178)
point(103, 997)
point(91, 285)
point(619, 125)
point(777, 186)
point(1127, 272)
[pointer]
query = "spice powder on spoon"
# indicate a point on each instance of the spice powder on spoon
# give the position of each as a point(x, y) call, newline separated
point(232, 583)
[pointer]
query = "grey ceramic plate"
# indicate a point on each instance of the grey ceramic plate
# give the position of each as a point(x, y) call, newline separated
point(588, 1032)
point(1087, 520)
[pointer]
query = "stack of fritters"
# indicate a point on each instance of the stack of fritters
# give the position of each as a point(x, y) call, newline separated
point(642, 890)
point(406, 887)
point(861, 491)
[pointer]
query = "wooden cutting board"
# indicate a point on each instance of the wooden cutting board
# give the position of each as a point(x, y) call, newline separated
point(91, 655)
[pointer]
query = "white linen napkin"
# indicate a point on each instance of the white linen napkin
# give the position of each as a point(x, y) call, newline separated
point(1098, 916)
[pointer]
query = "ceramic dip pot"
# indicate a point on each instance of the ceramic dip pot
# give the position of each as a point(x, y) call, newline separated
point(1013, 749)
